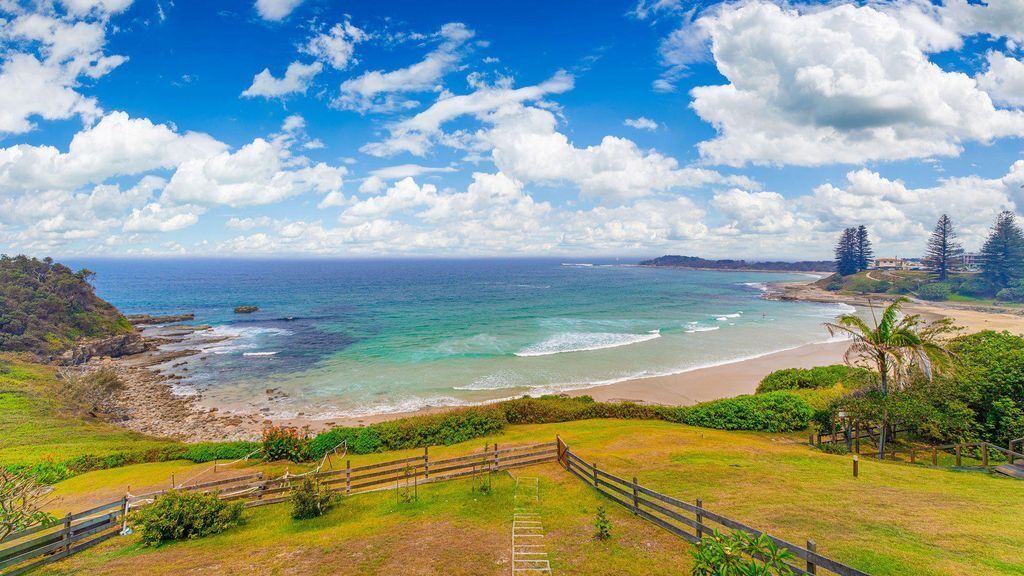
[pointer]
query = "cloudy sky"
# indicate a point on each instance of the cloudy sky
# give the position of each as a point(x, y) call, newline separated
point(750, 129)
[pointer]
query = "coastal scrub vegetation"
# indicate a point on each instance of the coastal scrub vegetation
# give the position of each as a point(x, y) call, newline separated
point(178, 515)
point(84, 394)
point(817, 377)
point(46, 307)
point(899, 348)
point(310, 499)
point(981, 399)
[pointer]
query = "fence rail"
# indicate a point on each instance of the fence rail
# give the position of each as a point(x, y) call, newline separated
point(43, 544)
point(691, 522)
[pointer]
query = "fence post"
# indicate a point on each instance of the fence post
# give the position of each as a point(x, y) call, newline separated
point(810, 438)
point(913, 455)
point(496, 464)
point(958, 451)
point(812, 568)
point(636, 500)
point(984, 455)
point(935, 456)
point(348, 476)
point(67, 534)
point(594, 466)
point(426, 462)
point(700, 519)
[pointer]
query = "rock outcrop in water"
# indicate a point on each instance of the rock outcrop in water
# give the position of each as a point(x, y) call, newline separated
point(246, 309)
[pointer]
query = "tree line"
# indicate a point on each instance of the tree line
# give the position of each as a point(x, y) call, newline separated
point(1001, 258)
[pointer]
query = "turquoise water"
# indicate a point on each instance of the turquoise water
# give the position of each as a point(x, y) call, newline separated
point(352, 338)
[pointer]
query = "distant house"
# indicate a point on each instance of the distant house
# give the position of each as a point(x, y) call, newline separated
point(914, 264)
point(971, 262)
point(891, 264)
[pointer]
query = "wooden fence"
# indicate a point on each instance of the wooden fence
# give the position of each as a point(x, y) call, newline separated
point(680, 517)
point(43, 544)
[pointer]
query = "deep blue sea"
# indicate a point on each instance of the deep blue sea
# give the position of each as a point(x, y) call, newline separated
point(346, 338)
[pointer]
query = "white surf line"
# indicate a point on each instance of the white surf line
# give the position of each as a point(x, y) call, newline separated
point(528, 551)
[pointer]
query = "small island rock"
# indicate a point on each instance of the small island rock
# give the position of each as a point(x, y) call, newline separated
point(246, 309)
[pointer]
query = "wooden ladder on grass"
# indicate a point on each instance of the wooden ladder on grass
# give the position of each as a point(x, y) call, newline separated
point(529, 555)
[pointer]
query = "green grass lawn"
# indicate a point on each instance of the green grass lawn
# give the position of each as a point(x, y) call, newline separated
point(32, 429)
point(893, 519)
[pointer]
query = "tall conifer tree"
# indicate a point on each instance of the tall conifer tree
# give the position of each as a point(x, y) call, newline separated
point(1002, 256)
point(944, 253)
point(846, 253)
point(864, 252)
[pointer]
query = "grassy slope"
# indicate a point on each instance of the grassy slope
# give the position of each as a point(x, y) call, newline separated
point(894, 519)
point(33, 430)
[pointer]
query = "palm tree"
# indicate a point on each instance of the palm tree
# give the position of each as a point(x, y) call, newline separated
point(897, 347)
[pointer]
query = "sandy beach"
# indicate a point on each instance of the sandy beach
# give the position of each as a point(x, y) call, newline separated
point(149, 405)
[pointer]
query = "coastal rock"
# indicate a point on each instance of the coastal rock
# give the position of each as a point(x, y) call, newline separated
point(112, 346)
point(149, 320)
point(246, 309)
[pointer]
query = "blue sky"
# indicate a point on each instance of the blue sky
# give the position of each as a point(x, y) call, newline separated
point(749, 129)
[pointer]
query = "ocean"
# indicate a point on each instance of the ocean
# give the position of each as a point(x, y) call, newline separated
point(350, 338)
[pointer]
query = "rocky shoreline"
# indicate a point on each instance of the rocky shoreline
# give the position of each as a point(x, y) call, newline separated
point(148, 402)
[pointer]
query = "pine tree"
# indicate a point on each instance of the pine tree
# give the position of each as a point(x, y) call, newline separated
point(864, 252)
point(846, 253)
point(944, 252)
point(1002, 256)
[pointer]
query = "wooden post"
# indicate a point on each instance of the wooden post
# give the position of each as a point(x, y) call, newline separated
point(856, 437)
point(595, 474)
point(984, 455)
point(348, 476)
point(496, 462)
point(810, 438)
point(67, 534)
point(700, 519)
point(958, 451)
point(846, 433)
point(811, 567)
point(935, 456)
point(426, 462)
point(172, 480)
point(913, 455)
point(636, 500)
point(855, 466)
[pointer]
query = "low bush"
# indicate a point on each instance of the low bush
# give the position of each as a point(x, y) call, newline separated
point(602, 525)
point(1012, 293)
point(180, 515)
point(779, 411)
point(284, 443)
point(311, 500)
point(935, 292)
point(84, 394)
point(818, 377)
point(210, 451)
point(734, 555)
point(976, 286)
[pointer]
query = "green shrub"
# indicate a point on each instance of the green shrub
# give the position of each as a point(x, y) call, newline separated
point(602, 525)
point(180, 515)
point(976, 286)
point(1012, 293)
point(210, 451)
point(769, 412)
point(935, 292)
point(835, 283)
point(284, 443)
point(818, 377)
point(734, 555)
point(310, 499)
point(45, 472)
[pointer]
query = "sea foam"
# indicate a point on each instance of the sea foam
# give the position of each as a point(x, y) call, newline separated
point(585, 341)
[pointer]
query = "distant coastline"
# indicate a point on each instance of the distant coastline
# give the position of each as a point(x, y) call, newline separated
point(696, 263)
